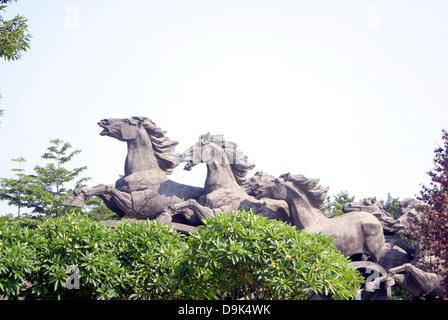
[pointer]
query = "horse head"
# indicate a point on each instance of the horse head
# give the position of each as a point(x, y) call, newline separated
point(219, 155)
point(368, 205)
point(266, 186)
point(305, 188)
point(149, 137)
point(208, 149)
point(123, 129)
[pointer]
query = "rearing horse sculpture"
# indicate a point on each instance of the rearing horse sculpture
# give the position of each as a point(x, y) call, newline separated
point(145, 192)
point(226, 187)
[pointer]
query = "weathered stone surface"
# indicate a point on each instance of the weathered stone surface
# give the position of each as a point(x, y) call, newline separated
point(353, 233)
point(371, 205)
point(409, 213)
point(226, 185)
point(409, 205)
point(145, 192)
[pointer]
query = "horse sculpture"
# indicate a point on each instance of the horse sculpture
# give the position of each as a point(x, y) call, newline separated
point(353, 233)
point(226, 186)
point(145, 192)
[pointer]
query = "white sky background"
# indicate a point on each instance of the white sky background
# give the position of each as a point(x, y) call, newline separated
point(351, 92)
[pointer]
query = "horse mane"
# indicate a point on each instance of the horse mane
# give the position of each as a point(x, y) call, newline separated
point(315, 193)
point(163, 147)
point(236, 158)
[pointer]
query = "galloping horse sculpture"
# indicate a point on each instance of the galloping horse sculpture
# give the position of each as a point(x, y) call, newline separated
point(226, 187)
point(353, 233)
point(145, 192)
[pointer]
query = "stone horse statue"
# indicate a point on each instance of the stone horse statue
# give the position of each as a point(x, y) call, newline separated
point(353, 233)
point(145, 192)
point(226, 186)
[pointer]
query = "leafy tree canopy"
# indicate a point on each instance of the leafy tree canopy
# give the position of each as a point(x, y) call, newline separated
point(14, 35)
point(45, 190)
point(335, 206)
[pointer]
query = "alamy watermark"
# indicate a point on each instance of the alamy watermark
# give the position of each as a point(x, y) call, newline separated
point(213, 148)
point(372, 21)
point(374, 279)
point(73, 21)
point(73, 280)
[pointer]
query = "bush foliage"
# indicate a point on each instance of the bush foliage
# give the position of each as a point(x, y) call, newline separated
point(17, 257)
point(237, 255)
point(148, 253)
point(246, 255)
point(75, 244)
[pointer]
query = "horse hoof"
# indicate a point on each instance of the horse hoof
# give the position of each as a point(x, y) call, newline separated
point(72, 201)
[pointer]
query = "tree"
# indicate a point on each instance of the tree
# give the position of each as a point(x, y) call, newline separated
point(52, 179)
point(14, 37)
point(45, 190)
point(335, 206)
point(432, 231)
point(391, 205)
point(16, 190)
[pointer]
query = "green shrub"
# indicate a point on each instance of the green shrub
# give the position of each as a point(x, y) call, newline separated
point(17, 257)
point(148, 252)
point(245, 255)
point(73, 257)
point(75, 249)
point(234, 255)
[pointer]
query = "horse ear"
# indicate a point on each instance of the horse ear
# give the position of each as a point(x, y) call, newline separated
point(205, 138)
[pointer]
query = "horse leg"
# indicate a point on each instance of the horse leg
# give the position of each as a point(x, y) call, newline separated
point(201, 211)
point(109, 202)
point(397, 240)
point(115, 199)
point(421, 281)
point(374, 241)
point(76, 199)
point(122, 200)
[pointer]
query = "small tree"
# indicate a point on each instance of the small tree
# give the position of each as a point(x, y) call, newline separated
point(335, 206)
point(53, 178)
point(432, 231)
point(45, 191)
point(391, 205)
point(16, 190)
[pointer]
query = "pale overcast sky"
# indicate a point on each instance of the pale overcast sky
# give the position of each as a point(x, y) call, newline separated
point(351, 92)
